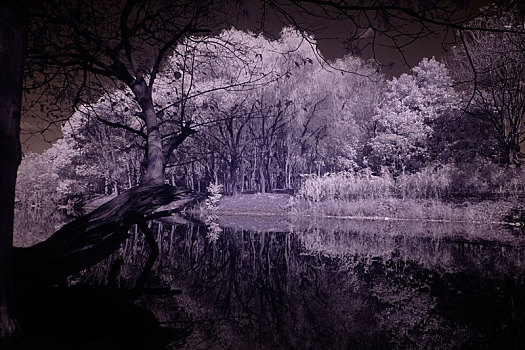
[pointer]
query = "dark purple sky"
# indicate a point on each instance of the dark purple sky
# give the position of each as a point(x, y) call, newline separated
point(332, 34)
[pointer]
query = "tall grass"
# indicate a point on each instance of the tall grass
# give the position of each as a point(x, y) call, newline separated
point(478, 179)
point(424, 195)
point(412, 209)
point(345, 186)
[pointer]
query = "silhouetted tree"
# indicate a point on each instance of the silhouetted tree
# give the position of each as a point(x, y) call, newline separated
point(123, 45)
point(12, 32)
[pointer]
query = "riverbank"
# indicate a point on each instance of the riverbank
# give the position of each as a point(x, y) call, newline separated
point(486, 211)
point(278, 204)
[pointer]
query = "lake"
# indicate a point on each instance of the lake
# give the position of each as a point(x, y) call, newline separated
point(299, 283)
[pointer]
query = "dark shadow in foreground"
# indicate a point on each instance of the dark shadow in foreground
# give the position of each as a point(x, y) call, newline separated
point(91, 317)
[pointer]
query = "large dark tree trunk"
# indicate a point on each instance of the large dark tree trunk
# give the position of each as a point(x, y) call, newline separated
point(12, 28)
point(158, 152)
point(154, 174)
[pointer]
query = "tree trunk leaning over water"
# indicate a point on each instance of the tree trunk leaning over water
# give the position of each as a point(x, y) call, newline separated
point(12, 27)
point(88, 240)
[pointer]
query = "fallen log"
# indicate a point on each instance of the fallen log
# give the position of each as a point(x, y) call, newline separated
point(89, 239)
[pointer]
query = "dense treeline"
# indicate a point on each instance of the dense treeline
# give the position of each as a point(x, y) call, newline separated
point(266, 112)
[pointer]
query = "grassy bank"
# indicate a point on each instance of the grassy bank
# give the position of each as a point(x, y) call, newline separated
point(488, 211)
point(493, 211)
point(473, 192)
point(443, 182)
point(388, 208)
point(255, 204)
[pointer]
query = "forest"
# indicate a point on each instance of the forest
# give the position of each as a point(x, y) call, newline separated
point(268, 115)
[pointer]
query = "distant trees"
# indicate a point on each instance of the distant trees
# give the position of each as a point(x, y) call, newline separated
point(265, 112)
point(37, 180)
point(406, 117)
point(92, 157)
point(307, 118)
point(228, 136)
point(105, 157)
point(276, 112)
point(293, 60)
point(265, 119)
point(352, 90)
point(268, 111)
point(491, 69)
point(232, 79)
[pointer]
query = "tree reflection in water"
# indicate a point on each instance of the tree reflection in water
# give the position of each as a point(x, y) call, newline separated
point(331, 287)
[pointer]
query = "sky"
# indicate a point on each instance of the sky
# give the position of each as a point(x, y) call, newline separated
point(332, 34)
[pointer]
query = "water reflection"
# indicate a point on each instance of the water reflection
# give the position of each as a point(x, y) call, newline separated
point(36, 225)
point(333, 286)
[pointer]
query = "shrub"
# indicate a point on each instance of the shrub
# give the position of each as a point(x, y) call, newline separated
point(212, 202)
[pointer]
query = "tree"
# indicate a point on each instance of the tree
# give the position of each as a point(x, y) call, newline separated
point(355, 88)
point(12, 32)
point(280, 126)
point(246, 120)
point(411, 106)
point(123, 44)
point(228, 136)
point(37, 180)
point(101, 151)
point(226, 77)
point(490, 66)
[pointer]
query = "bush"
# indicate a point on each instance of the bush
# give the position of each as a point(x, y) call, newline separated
point(212, 202)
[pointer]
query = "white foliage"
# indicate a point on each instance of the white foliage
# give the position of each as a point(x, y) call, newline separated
point(410, 106)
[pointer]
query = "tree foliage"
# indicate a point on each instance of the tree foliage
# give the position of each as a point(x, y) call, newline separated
point(491, 69)
point(265, 112)
point(274, 114)
point(406, 118)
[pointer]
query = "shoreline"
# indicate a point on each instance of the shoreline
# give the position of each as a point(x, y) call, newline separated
point(518, 224)
point(495, 212)
point(507, 212)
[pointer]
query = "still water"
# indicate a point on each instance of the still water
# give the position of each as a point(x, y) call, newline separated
point(280, 283)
